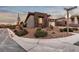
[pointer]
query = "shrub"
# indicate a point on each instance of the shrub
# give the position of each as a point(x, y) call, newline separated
point(8, 26)
point(11, 26)
point(75, 29)
point(40, 33)
point(65, 30)
point(61, 30)
point(21, 32)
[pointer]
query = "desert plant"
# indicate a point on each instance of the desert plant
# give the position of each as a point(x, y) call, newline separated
point(75, 29)
point(65, 30)
point(21, 32)
point(40, 33)
point(8, 26)
point(61, 30)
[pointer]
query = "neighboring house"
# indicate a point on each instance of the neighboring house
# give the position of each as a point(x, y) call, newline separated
point(37, 19)
point(73, 21)
point(61, 21)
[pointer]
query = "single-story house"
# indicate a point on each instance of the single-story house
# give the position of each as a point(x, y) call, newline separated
point(38, 19)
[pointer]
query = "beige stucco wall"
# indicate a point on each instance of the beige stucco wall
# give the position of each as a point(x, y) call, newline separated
point(30, 22)
point(52, 23)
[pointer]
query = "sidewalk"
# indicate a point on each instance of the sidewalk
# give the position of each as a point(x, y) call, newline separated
point(49, 45)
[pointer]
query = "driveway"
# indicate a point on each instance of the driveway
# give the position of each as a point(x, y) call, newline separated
point(7, 44)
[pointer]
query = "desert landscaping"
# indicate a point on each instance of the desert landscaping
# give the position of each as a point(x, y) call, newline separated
point(50, 33)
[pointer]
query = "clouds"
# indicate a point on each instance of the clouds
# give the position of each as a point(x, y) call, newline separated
point(53, 10)
point(30, 8)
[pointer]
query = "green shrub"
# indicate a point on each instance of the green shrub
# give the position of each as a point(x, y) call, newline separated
point(21, 32)
point(40, 33)
point(65, 30)
point(70, 29)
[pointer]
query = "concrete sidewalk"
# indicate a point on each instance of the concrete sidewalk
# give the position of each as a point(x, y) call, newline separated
point(47, 45)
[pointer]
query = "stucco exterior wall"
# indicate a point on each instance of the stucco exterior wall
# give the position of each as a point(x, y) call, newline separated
point(30, 22)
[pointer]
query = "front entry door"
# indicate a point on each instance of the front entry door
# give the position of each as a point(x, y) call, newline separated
point(40, 22)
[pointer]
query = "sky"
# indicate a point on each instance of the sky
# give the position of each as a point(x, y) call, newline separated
point(53, 10)
point(10, 12)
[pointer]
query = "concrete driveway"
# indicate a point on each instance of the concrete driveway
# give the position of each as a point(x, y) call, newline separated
point(7, 44)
